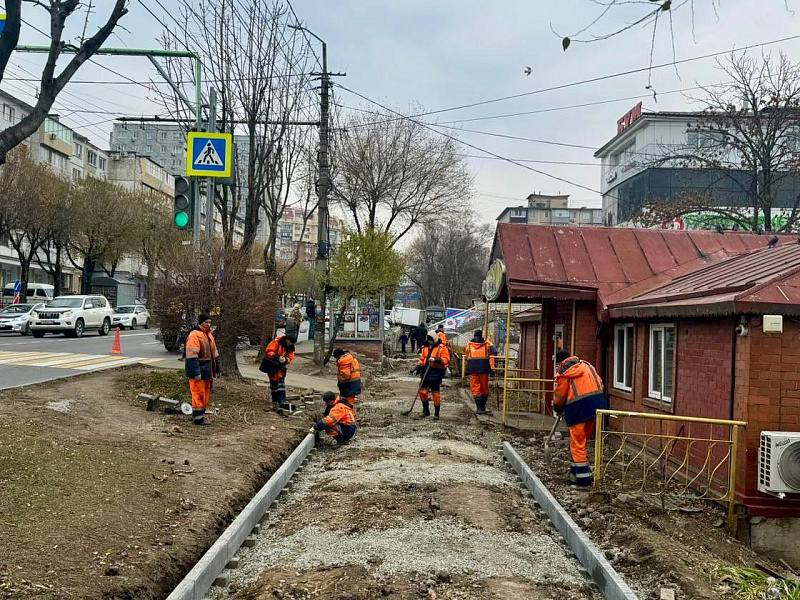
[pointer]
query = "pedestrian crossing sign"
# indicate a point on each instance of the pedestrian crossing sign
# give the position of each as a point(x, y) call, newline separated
point(209, 154)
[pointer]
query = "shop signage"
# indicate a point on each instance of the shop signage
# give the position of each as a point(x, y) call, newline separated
point(629, 118)
point(495, 278)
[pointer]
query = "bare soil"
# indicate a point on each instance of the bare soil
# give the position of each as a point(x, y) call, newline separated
point(410, 508)
point(681, 544)
point(101, 499)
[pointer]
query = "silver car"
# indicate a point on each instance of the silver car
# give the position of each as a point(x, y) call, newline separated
point(16, 318)
point(131, 317)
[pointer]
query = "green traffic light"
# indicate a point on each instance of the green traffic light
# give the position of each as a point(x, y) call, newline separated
point(181, 219)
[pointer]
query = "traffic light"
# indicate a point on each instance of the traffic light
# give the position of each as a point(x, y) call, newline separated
point(184, 205)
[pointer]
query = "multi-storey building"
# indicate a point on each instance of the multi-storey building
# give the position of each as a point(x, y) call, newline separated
point(140, 174)
point(637, 170)
point(292, 238)
point(551, 210)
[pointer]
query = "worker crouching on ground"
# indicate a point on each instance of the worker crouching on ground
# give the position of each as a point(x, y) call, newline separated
point(339, 420)
point(202, 365)
point(480, 364)
point(578, 395)
point(433, 363)
point(278, 355)
point(348, 375)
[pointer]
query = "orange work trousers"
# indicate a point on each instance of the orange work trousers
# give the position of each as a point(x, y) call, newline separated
point(479, 385)
point(579, 436)
point(201, 393)
point(425, 396)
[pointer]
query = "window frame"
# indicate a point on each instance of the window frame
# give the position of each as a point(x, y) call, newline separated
point(653, 394)
point(627, 352)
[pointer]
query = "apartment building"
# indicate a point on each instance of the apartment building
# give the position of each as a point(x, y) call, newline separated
point(291, 236)
point(543, 209)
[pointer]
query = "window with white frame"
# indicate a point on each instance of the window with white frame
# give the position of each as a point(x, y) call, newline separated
point(9, 113)
point(662, 361)
point(91, 158)
point(623, 356)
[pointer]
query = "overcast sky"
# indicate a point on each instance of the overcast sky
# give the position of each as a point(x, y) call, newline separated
point(452, 52)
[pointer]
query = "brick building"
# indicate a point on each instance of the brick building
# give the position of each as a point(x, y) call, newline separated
point(657, 312)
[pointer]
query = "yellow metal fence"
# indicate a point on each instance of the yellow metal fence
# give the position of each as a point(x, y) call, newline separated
point(667, 455)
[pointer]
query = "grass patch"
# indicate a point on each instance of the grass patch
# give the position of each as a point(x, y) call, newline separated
point(170, 384)
point(753, 584)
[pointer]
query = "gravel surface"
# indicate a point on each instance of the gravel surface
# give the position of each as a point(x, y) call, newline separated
point(421, 546)
point(415, 444)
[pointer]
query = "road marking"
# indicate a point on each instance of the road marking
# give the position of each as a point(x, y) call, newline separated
point(67, 360)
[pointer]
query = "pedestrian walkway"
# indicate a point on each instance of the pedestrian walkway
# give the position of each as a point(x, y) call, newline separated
point(71, 360)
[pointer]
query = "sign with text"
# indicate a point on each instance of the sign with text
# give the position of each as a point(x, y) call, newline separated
point(629, 118)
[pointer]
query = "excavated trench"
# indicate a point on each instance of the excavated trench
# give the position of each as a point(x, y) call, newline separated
point(410, 509)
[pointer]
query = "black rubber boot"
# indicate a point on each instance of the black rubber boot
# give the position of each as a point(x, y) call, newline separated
point(436, 412)
point(426, 411)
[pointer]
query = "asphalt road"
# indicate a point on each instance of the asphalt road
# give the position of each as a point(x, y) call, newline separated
point(26, 360)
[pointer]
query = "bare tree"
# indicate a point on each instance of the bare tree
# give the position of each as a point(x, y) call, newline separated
point(51, 83)
point(747, 135)
point(393, 174)
point(31, 193)
point(448, 264)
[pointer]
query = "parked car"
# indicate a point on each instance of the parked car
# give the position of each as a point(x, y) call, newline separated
point(17, 318)
point(37, 292)
point(72, 315)
point(131, 316)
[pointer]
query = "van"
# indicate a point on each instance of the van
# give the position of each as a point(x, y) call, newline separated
point(37, 292)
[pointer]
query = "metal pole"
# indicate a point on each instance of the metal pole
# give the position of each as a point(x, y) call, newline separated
point(598, 450)
point(506, 352)
point(198, 120)
point(572, 329)
point(732, 521)
point(323, 187)
point(211, 183)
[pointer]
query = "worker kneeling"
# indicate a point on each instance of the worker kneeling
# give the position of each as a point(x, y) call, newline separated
point(433, 363)
point(339, 420)
point(578, 396)
point(480, 355)
point(348, 375)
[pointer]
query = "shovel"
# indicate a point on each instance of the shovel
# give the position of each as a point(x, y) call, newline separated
point(548, 456)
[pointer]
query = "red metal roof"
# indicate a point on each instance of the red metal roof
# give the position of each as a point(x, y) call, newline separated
point(614, 264)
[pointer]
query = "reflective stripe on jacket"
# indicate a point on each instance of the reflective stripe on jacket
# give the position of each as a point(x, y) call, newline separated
point(348, 375)
point(579, 390)
point(201, 350)
point(480, 357)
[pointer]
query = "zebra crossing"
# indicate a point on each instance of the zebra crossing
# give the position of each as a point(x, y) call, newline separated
point(71, 360)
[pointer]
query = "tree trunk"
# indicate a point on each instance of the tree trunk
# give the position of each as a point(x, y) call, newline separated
point(335, 330)
point(87, 274)
point(58, 271)
point(24, 274)
point(272, 300)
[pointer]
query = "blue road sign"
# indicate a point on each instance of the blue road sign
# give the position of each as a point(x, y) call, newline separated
point(2, 22)
point(209, 154)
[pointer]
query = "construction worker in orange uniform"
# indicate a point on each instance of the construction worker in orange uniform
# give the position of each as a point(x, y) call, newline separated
point(348, 375)
point(441, 334)
point(433, 363)
point(278, 355)
point(480, 355)
point(202, 365)
point(339, 420)
point(578, 395)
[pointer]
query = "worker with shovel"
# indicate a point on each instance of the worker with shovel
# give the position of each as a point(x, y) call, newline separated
point(433, 363)
point(480, 355)
point(578, 395)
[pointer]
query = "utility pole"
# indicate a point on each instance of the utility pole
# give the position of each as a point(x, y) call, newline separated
point(211, 185)
point(323, 188)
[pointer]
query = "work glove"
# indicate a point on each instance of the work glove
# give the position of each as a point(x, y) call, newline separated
point(312, 430)
point(558, 410)
point(282, 360)
point(492, 373)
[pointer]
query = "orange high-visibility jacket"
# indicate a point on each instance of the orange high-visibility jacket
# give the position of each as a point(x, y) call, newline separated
point(201, 351)
point(340, 414)
point(348, 375)
point(442, 337)
point(480, 357)
point(274, 351)
point(579, 391)
point(439, 355)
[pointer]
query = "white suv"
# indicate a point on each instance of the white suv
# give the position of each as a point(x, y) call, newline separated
point(72, 315)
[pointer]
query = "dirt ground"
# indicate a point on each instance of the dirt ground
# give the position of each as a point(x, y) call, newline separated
point(409, 509)
point(101, 499)
point(681, 546)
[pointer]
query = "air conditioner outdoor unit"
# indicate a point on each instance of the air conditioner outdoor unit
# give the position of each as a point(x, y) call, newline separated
point(779, 463)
